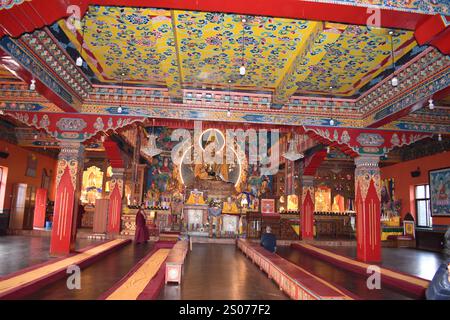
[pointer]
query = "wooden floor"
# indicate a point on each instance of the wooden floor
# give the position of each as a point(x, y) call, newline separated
point(212, 271)
point(419, 263)
point(221, 271)
point(19, 252)
point(340, 277)
point(97, 278)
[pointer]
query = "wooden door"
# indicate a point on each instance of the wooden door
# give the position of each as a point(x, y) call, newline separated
point(30, 202)
point(40, 208)
point(18, 206)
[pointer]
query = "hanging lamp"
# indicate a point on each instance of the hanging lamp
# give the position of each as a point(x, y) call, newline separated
point(292, 154)
point(150, 148)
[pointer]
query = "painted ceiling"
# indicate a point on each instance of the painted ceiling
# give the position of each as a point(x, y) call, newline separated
point(187, 49)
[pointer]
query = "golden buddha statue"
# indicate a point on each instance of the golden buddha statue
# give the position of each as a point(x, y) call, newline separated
point(196, 197)
point(230, 207)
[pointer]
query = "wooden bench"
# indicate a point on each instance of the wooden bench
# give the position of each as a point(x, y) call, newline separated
point(175, 261)
point(296, 282)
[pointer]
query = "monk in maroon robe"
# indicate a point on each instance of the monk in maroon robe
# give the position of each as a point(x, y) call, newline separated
point(141, 235)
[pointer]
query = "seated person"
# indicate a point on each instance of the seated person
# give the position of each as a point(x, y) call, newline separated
point(268, 240)
point(439, 288)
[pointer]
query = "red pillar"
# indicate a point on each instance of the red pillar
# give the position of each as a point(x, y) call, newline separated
point(68, 181)
point(367, 204)
point(115, 201)
point(307, 213)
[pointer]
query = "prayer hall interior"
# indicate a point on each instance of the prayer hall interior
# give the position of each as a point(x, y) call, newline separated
point(148, 150)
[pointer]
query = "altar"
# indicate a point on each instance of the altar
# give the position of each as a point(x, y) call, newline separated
point(196, 219)
point(230, 225)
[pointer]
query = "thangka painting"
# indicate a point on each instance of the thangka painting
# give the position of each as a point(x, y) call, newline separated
point(440, 192)
point(159, 177)
point(258, 185)
point(267, 206)
point(31, 165)
point(389, 205)
point(322, 199)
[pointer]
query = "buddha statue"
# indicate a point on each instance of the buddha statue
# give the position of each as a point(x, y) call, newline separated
point(195, 197)
point(230, 207)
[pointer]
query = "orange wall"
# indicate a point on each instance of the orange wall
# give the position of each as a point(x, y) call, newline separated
point(17, 165)
point(404, 183)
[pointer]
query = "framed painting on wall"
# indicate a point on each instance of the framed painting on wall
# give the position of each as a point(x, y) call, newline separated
point(439, 180)
point(267, 206)
point(31, 165)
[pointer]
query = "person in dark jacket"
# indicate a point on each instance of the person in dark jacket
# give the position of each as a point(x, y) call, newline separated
point(439, 287)
point(268, 240)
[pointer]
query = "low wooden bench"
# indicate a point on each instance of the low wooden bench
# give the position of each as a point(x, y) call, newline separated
point(296, 282)
point(175, 261)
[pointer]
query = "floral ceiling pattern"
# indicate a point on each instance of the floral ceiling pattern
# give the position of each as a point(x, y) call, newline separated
point(188, 49)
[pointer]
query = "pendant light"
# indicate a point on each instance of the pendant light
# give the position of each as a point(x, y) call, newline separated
point(119, 109)
point(79, 61)
point(394, 80)
point(151, 149)
point(242, 68)
point(292, 154)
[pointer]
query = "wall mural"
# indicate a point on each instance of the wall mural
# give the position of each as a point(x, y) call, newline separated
point(390, 207)
point(163, 177)
point(91, 187)
point(440, 192)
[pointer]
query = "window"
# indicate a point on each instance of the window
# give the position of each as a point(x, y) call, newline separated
point(422, 196)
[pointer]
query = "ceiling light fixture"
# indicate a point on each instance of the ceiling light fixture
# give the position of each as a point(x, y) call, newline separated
point(430, 104)
point(292, 154)
point(328, 149)
point(394, 80)
point(33, 85)
point(151, 149)
point(79, 61)
point(119, 109)
point(439, 137)
point(331, 122)
point(242, 68)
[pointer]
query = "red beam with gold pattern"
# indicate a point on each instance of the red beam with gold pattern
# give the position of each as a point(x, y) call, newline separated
point(35, 14)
